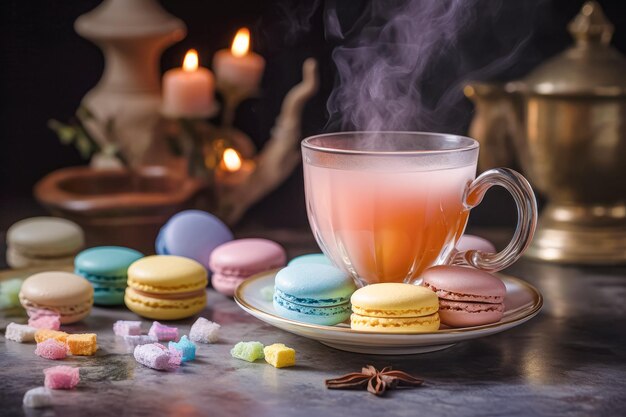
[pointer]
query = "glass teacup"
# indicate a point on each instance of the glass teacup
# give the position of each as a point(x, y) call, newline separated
point(385, 206)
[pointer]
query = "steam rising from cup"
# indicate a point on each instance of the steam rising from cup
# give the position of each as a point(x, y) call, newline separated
point(389, 63)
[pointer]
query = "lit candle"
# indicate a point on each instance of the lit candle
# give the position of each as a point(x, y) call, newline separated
point(233, 169)
point(239, 67)
point(188, 91)
point(231, 161)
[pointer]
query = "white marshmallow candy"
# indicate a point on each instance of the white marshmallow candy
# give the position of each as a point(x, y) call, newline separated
point(204, 331)
point(133, 341)
point(39, 397)
point(20, 333)
point(127, 328)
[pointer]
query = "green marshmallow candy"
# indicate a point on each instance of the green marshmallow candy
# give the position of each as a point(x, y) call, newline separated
point(248, 351)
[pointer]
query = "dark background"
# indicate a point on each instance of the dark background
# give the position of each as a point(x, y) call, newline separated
point(46, 68)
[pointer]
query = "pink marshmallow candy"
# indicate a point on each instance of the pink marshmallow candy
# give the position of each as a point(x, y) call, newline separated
point(157, 356)
point(61, 377)
point(51, 349)
point(127, 328)
point(163, 333)
point(44, 319)
point(176, 357)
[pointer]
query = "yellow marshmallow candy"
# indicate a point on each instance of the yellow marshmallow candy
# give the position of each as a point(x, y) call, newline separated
point(82, 344)
point(279, 356)
point(45, 334)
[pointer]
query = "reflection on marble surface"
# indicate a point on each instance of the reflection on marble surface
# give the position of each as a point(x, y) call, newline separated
point(570, 360)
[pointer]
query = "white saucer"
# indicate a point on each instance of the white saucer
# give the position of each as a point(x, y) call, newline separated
point(522, 302)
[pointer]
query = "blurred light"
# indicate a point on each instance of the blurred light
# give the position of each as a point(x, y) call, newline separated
point(232, 160)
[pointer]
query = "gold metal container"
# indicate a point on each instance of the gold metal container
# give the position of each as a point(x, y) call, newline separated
point(567, 122)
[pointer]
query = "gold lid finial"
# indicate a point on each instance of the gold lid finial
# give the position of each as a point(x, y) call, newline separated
point(591, 25)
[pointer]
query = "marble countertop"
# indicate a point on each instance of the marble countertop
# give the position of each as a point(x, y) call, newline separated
point(569, 361)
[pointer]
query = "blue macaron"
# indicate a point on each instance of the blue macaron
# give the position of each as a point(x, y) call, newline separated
point(192, 234)
point(313, 293)
point(311, 258)
point(105, 267)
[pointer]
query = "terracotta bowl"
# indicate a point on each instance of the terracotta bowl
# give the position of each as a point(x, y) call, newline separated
point(118, 206)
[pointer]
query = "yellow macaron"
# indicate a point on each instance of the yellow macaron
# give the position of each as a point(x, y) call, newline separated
point(394, 308)
point(166, 287)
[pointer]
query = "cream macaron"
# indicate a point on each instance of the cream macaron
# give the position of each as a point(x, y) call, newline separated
point(166, 287)
point(69, 295)
point(394, 308)
point(43, 242)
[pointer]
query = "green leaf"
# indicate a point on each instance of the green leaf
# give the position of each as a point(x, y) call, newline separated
point(83, 144)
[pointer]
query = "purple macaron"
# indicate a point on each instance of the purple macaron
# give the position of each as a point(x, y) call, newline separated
point(235, 261)
point(192, 234)
point(467, 296)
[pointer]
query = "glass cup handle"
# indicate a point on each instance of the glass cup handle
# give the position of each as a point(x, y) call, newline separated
point(526, 203)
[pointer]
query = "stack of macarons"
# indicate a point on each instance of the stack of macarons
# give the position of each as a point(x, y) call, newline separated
point(233, 262)
point(313, 293)
point(166, 287)
point(69, 295)
point(43, 242)
point(394, 308)
point(467, 296)
point(105, 267)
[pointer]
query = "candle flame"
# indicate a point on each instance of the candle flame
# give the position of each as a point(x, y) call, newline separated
point(232, 160)
point(241, 43)
point(191, 60)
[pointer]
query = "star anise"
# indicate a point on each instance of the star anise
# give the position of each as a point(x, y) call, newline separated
point(377, 382)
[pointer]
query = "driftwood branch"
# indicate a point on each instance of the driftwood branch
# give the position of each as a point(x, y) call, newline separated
point(280, 155)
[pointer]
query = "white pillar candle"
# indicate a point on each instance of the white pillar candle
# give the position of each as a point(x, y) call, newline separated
point(188, 91)
point(239, 67)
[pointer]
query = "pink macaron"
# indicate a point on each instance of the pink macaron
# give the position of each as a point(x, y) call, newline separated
point(471, 242)
point(235, 261)
point(467, 296)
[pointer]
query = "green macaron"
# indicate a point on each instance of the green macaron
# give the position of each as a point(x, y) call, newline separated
point(105, 267)
point(311, 258)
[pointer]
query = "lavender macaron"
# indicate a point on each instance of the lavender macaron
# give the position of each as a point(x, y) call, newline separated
point(467, 296)
point(192, 234)
point(237, 260)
